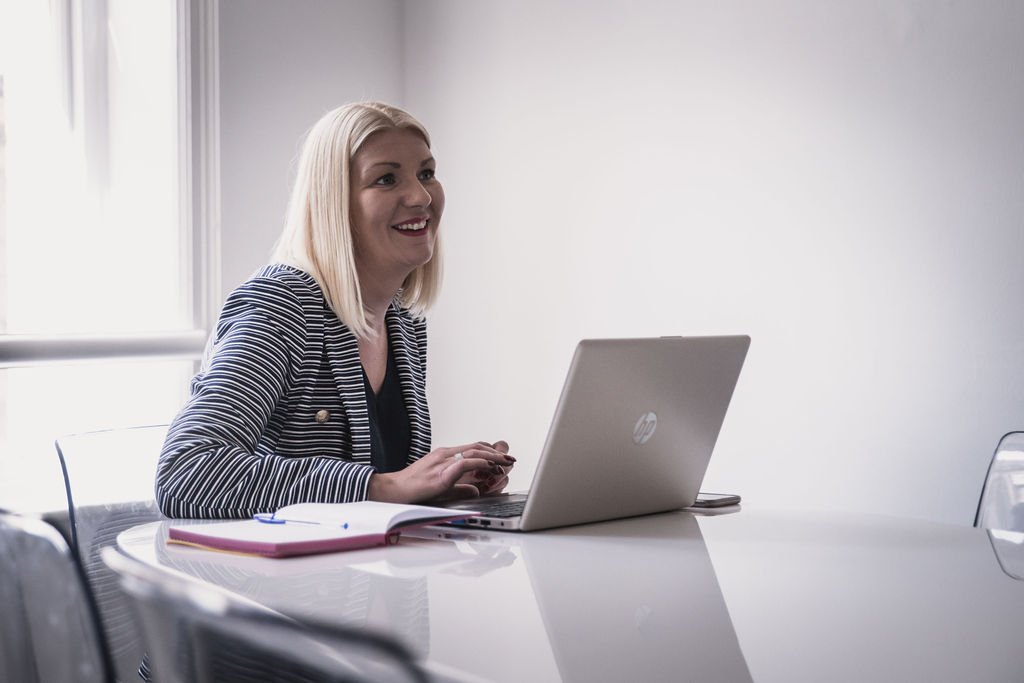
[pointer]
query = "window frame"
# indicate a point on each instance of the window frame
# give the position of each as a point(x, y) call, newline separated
point(198, 190)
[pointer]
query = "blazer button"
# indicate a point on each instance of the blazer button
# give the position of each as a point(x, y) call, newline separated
point(323, 416)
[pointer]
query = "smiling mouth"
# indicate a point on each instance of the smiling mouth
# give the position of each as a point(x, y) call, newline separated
point(412, 228)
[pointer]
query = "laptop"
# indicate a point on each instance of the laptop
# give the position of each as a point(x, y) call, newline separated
point(633, 433)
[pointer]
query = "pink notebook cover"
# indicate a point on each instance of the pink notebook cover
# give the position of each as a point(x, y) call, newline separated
point(277, 547)
point(290, 538)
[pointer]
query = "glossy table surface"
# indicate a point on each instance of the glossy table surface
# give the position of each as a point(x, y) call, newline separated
point(746, 595)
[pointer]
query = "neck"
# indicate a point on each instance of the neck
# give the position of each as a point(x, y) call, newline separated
point(378, 293)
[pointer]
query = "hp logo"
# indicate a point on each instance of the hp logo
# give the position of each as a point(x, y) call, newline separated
point(644, 429)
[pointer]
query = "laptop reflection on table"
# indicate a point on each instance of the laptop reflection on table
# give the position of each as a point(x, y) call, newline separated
point(634, 599)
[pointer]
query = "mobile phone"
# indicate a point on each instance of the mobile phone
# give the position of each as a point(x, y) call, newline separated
point(715, 500)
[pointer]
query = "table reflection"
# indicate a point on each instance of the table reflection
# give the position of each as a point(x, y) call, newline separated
point(381, 588)
point(627, 600)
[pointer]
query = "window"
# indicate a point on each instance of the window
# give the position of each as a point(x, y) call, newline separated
point(102, 277)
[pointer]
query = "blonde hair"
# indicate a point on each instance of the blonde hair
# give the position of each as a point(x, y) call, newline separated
point(317, 236)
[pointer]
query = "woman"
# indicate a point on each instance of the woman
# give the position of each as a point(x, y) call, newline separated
point(315, 386)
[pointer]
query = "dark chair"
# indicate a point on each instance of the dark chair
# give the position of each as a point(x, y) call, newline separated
point(1001, 505)
point(109, 477)
point(49, 629)
point(198, 632)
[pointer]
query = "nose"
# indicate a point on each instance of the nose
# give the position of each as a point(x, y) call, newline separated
point(417, 195)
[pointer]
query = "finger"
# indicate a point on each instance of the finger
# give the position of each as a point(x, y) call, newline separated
point(487, 448)
point(481, 445)
point(457, 492)
point(449, 451)
point(460, 491)
point(495, 485)
point(490, 470)
point(484, 479)
point(489, 480)
point(446, 456)
point(501, 446)
point(494, 474)
point(488, 453)
point(454, 470)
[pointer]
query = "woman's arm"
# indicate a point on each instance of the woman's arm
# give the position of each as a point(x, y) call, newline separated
point(209, 466)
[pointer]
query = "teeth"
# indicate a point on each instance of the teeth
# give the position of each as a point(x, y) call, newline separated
point(412, 227)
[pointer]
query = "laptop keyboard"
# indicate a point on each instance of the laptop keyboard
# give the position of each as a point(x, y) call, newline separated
point(504, 510)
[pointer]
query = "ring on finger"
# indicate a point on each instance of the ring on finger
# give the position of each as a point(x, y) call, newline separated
point(458, 456)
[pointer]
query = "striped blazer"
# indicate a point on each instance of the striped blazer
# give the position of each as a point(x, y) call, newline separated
point(279, 415)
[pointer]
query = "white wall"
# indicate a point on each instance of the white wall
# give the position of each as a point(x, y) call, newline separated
point(282, 66)
point(842, 181)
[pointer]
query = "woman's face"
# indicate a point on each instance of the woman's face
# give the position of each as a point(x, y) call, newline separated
point(396, 204)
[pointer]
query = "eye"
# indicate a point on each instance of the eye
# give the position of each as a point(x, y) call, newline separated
point(386, 179)
point(427, 174)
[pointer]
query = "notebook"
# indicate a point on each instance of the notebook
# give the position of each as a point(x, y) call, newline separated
point(632, 434)
point(311, 528)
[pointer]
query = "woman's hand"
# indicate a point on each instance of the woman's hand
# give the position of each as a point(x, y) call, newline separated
point(490, 484)
point(455, 472)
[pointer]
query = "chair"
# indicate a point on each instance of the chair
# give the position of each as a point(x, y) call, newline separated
point(109, 478)
point(1001, 505)
point(1009, 549)
point(49, 630)
point(199, 632)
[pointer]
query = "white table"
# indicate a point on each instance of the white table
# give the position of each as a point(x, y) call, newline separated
point(763, 596)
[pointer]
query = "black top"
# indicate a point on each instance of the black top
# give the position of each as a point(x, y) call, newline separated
point(389, 421)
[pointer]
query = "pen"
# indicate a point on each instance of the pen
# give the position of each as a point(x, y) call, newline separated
point(266, 518)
